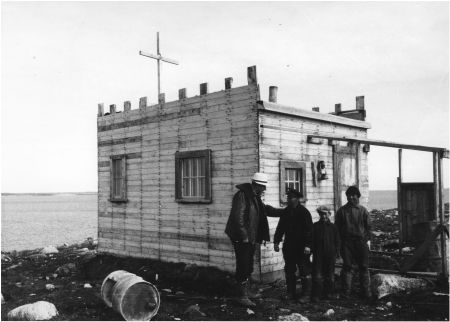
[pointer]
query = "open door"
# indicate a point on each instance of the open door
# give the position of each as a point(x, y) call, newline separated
point(346, 171)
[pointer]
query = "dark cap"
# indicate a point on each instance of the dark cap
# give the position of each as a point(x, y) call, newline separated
point(353, 190)
point(292, 193)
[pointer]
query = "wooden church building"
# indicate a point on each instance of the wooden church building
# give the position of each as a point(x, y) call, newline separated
point(167, 172)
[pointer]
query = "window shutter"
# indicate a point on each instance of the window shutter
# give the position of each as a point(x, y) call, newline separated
point(111, 178)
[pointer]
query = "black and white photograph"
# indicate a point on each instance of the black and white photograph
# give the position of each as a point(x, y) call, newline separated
point(225, 160)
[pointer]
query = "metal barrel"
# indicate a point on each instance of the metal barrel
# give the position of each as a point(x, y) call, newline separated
point(130, 295)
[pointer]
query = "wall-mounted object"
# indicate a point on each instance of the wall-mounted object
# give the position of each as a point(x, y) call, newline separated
point(321, 171)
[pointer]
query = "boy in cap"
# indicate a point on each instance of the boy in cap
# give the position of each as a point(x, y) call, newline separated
point(295, 225)
point(325, 248)
point(247, 225)
point(353, 223)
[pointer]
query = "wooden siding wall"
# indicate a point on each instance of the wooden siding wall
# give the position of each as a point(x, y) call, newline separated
point(283, 137)
point(151, 224)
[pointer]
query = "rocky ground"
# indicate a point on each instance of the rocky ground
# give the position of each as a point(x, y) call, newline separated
point(71, 279)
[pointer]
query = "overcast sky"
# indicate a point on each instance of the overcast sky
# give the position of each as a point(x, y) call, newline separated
point(60, 59)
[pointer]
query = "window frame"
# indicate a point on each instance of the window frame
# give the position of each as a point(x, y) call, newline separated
point(297, 165)
point(123, 194)
point(179, 156)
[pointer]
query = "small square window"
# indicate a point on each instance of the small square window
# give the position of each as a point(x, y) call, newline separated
point(193, 176)
point(118, 178)
point(292, 176)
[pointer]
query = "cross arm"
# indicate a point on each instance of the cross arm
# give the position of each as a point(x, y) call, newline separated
point(158, 57)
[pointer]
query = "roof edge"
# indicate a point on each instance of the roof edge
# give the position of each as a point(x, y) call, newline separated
point(295, 111)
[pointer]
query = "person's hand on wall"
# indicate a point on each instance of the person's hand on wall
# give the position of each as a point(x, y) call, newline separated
point(276, 247)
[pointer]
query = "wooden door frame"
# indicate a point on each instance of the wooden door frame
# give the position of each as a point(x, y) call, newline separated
point(338, 150)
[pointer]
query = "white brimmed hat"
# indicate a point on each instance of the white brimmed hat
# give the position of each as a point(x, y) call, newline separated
point(260, 178)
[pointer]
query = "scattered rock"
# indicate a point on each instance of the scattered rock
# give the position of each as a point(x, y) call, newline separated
point(407, 249)
point(194, 312)
point(3, 299)
point(177, 319)
point(19, 284)
point(389, 304)
point(49, 287)
point(282, 310)
point(49, 250)
point(385, 284)
point(328, 313)
point(83, 250)
point(167, 290)
point(36, 257)
point(40, 310)
point(293, 317)
point(440, 294)
point(250, 312)
point(377, 233)
point(55, 275)
point(66, 269)
point(179, 293)
point(87, 285)
point(6, 259)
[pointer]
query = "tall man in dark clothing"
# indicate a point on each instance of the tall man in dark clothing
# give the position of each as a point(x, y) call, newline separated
point(353, 223)
point(325, 249)
point(247, 226)
point(296, 226)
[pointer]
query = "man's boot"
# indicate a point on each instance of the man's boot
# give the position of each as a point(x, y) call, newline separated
point(364, 280)
point(291, 288)
point(346, 284)
point(243, 299)
point(306, 289)
point(331, 290)
point(252, 294)
point(317, 290)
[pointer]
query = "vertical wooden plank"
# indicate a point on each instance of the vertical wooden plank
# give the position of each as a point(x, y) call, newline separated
point(203, 88)
point(337, 108)
point(436, 185)
point(182, 93)
point(402, 220)
point(112, 109)
point(441, 217)
point(251, 75)
point(161, 98)
point(126, 106)
point(143, 102)
point(123, 164)
point(228, 82)
point(100, 109)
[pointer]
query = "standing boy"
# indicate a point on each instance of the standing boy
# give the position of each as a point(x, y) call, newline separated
point(325, 249)
point(353, 223)
point(296, 226)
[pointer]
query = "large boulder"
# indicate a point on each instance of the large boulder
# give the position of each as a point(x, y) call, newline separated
point(293, 317)
point(37, 311)
point(49, 250)
point(385, 284)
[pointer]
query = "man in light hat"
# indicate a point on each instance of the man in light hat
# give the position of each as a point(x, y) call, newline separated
point(295, 226)
point(353, 223)
point(247, 226)
point(325, 249)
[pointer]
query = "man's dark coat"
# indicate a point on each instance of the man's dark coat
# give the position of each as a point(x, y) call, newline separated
point(247, 218)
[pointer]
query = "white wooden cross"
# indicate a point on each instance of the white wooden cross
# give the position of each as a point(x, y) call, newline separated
point(158, 58)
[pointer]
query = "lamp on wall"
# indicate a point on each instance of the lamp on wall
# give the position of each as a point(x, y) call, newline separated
point(321, 171)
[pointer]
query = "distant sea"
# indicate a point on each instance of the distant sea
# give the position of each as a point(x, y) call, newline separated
point(36, 220)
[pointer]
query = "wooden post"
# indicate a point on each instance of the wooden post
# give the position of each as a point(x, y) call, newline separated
point(316, 109)
point(126, 106)
point(100, 109)
point(112, 109)
point(161, 98)
point(441, 217)
point(228, 82)
point(399, 202)
point(337, 108)
point(359, 102)
point(436, 185)
point(143, 102)
point(203, 88)
point(182, 93)
point(251, 75)
point(273, 90)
